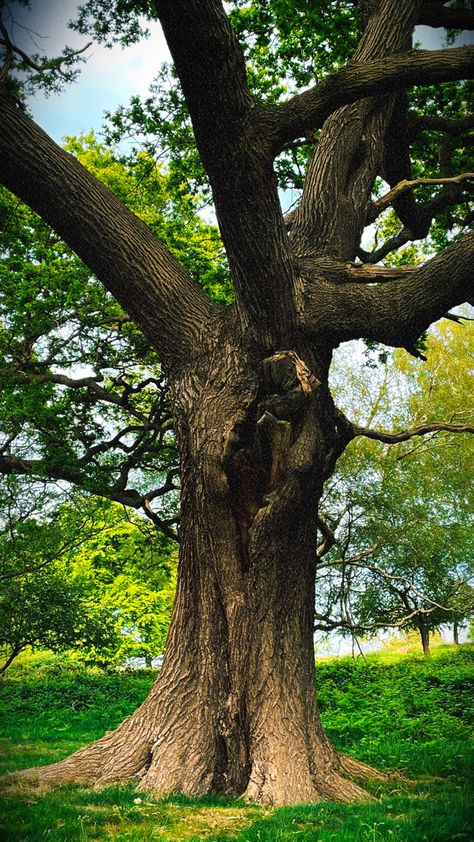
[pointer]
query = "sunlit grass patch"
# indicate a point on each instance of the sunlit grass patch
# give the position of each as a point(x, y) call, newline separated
point(432, 812)
point(120, 813)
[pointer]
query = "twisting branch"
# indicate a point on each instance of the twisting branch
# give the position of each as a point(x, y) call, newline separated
point(14, 465)
point(403, 186)
point(90, 383)
point(405, 435)
point(307, 111)
point(329, 538)
point(48, 64)
point(422, 217)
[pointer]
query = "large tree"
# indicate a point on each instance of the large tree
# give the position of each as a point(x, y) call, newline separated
point(233, 709)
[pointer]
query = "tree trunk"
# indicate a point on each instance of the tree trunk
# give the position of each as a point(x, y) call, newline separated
point(425, 637)
point(233, 710)
point(456, 633)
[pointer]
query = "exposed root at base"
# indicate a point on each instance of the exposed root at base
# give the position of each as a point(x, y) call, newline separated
point(109, 760)
point(103, 764)
point(43, 779)
point(363, 772)
point(273, 788)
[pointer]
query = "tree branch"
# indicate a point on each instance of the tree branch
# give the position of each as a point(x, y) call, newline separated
point(417, 219)
point(14, 465)
point(92, 384)
point(417, 122)
point(118, 247)
point(329, 538)
point(394, 313)
point(358, 273)
point(347, 158)
point(309, 110)
point(47, 64)
point(439, 15)
point(237, 156)
point(405, 435)
point(406, 185)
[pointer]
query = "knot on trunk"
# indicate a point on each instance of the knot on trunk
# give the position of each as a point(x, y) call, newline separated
point(257, 448)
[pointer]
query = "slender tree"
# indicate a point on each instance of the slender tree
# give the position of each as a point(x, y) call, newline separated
point(233, 709)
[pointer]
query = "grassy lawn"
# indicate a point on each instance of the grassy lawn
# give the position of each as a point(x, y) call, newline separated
point(399, 712)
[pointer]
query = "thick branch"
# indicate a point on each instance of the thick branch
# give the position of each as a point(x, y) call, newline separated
point(347, 158)
point(237, 156)
point(117, 246)
point(438, 15)
point(394, 313)
point(424, 67)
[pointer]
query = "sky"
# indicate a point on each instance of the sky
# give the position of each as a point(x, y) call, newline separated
point(108, 79)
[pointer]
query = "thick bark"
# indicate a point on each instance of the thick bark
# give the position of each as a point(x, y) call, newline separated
point(233, 709)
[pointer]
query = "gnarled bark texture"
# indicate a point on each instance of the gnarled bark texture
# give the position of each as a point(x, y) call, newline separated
point(233, 709)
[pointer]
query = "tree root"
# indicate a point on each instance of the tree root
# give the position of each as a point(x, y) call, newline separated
point(359, 770)
point(363, 772)
point(126, 756)
point(121, 756)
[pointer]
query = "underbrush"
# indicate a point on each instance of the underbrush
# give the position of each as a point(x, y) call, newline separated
point(404, 713)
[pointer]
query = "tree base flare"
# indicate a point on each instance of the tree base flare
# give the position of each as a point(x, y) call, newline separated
point(103, 764)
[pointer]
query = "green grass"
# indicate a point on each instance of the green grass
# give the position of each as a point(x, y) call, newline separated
point(405, 713)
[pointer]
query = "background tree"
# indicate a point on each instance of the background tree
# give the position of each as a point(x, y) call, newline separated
point(40, 605)
point(399, 520)
point(82, 575)
point(127, 573)
point(233, 709)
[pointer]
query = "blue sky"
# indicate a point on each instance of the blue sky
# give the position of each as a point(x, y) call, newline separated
point(109, 79)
